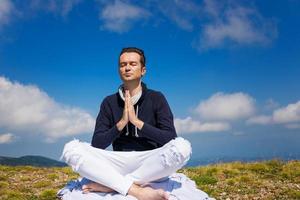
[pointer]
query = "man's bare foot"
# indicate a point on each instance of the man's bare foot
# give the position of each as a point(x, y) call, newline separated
point(147, 193)
point(95, 187)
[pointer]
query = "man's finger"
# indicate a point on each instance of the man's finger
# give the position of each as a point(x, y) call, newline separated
point(126, 96)
point(129, 103)
point(127, 93)
point(125, 101)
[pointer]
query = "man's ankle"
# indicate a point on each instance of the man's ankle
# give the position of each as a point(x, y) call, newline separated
point(134, 190)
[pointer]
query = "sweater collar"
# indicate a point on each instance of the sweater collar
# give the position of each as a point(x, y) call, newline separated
point(136, 99)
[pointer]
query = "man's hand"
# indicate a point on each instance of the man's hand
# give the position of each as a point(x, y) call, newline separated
point(131, 113)
point(124, 120)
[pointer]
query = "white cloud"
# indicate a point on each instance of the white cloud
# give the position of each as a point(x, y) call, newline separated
point(261, 119)
point(68, 5)
point(188, 125)
point(212, 8)
point(222, 106)
point(6, 11)
point(181, 12)
point(27, 109)
point(220, 22)
point(60, 7)
point(289, 116)
point(235, 24)
point(119, 16)
point(20, 10)
point(6, 138)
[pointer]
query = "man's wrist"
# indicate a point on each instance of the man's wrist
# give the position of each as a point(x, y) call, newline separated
point(138, 123)
point(121, 124)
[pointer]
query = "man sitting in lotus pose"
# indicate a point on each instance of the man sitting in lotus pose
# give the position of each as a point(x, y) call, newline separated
point(138, 122)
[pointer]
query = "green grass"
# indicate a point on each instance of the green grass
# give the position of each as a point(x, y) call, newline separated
point(272, 179)
point(265, 180)
point(32, 183)
point(47, 194)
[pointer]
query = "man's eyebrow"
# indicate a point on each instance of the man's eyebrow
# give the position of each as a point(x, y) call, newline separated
point(133, 61)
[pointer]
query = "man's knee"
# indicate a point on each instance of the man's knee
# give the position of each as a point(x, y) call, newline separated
point(184, 147)
point(73, 154)
point(177, 153)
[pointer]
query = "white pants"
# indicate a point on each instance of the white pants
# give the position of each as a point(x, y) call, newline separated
point(120, 169)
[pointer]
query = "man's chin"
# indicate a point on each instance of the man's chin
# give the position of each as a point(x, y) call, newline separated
point(130, 79)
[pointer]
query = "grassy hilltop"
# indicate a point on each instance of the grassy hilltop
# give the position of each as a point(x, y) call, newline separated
point(273, 179)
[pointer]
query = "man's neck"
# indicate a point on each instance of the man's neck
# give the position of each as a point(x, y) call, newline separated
point(133, 86)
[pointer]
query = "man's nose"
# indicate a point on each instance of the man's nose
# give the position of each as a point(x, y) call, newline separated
point(127, 67)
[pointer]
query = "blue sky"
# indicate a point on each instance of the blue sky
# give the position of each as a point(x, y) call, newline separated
point(229, 70)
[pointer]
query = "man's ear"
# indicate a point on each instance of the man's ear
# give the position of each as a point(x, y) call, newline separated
point(143, 71)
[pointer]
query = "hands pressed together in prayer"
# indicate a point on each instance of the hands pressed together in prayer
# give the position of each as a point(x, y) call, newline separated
point(129, 114)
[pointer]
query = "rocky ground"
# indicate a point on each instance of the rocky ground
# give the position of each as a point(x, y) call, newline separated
point(257, 180)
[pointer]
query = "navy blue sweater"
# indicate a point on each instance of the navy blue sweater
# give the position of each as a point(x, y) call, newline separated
point(154, 111)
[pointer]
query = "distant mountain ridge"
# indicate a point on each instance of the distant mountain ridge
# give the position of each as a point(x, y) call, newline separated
point(38, 161)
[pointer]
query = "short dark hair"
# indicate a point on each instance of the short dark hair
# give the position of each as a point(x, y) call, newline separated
point(136, 50)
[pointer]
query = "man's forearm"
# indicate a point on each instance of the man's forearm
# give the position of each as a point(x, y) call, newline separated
point(103, 137)
point(137, 122)
point(160, 135)
point(121, 124)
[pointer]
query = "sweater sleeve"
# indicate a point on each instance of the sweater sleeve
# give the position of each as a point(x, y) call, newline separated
point(105, 132)
point(164, 131)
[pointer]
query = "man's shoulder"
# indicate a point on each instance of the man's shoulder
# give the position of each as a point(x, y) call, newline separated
point(154, 94)
point(110, 98)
